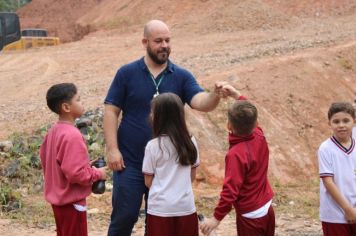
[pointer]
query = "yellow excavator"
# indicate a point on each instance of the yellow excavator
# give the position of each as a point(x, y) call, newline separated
point(12, 38)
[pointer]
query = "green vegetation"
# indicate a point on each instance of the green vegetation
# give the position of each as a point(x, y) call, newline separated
point(12, 5)
point(299, 199)
point(21, 180)
point(345, 63)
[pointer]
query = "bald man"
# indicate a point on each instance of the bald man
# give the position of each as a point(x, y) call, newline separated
point(131, 91)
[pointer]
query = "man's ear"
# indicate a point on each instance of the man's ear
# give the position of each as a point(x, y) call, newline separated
point(144, 42)
point(65, 107)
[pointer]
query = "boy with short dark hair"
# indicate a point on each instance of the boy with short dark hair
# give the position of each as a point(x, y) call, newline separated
point(337, 170)
point(246, 185)
point(68, 175)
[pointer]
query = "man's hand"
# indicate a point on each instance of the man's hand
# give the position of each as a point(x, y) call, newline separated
point(224, 89)
point(218, 90)
point(115, 160)
point(209, 225)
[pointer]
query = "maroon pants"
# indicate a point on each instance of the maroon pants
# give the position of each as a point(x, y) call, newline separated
point(335, 229)
point(69, 221)
point(173, 226)
point(263, 226)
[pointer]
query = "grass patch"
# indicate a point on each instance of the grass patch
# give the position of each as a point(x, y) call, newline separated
point(346, 64)
point(298, 199)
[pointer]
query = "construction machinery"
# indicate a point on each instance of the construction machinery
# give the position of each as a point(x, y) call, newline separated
point(12, 38)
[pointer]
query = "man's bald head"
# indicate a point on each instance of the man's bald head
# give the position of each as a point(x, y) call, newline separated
point(154, 25)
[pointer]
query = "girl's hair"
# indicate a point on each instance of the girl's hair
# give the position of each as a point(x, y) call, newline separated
point(167, 114)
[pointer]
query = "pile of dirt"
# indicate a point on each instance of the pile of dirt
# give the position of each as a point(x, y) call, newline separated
point(58, 17)
point(71, 20)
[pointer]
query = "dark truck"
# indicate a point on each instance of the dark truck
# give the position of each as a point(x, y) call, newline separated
point(9, 29)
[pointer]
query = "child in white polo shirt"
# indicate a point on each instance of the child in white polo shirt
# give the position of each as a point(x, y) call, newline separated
point(337, 170)
point(169, 167)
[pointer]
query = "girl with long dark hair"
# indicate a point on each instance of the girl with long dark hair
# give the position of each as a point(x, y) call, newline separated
point(169, 167)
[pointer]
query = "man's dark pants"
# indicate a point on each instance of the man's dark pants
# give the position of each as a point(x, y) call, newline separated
point(129, 188)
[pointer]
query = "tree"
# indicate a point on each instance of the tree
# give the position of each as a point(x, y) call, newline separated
point(12, 5)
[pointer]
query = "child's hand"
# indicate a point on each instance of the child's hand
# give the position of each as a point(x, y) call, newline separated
point(350, 215)
point(209, 225)
point(223, 90)
point(91, 162)
point(102, 171)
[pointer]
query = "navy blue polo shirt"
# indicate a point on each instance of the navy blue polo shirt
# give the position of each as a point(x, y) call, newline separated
point(132, 91)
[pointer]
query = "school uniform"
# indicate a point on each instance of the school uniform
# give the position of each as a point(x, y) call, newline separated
point(170, 207)
point(68, 177)
point(246, 186)
point(337, 162)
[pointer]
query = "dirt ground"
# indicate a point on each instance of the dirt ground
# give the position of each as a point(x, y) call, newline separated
point(292, 59)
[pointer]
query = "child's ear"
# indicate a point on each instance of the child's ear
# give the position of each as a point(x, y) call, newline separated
point(229, 127)
point(65, 107)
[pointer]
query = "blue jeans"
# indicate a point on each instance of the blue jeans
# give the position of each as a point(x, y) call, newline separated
point(129, 188)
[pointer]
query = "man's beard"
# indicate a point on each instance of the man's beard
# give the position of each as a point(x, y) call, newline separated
point(154, 57)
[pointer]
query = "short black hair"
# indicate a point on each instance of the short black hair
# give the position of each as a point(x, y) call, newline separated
point(242, 116)
point(59, 94)
point(337, 107)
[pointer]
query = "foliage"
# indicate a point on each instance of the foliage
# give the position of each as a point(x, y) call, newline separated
point(12, 5)
point(345, 63)
point(20, 167)
point(9, 198)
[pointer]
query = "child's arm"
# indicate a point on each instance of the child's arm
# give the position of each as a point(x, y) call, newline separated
point(234, 175)
point(102, 171)
point(75, 161)
point(148, 165)
point(148, 180)
point(232, 92)
point(209, 225)
point(349, 211)
point(193, 173)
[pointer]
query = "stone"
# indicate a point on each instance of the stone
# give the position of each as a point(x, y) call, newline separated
point(5, 146)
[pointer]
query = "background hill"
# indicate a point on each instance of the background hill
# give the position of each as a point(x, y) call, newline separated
point(292, 58)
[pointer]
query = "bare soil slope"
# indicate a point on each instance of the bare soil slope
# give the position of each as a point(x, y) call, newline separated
point(290, 64)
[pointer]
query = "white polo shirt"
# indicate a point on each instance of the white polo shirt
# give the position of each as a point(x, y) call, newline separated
point(340, 163)
point(171, 192)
